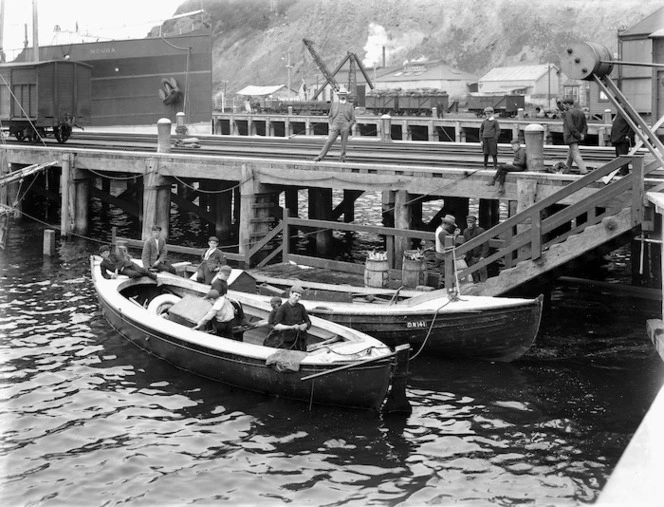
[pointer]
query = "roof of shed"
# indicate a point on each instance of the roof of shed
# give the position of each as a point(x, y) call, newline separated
point(647, 25)
point(253, 90)
point(520, 73)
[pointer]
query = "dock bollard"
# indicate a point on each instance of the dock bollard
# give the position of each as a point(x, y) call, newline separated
point(386, 128)
point(606, 116)
point(164, 135)
point(534, 134)
point(49, 242)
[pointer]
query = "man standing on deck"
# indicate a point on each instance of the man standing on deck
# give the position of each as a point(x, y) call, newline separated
point(575, 129)
point(622, 138)
point(341, 120)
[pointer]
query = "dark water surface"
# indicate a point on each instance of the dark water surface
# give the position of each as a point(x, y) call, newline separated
point(87, 419)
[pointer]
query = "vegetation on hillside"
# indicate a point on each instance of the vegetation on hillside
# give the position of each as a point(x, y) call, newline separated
point(253, 39)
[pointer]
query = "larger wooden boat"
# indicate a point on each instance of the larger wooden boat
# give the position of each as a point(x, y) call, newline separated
point(479, 327)
point(342, 367)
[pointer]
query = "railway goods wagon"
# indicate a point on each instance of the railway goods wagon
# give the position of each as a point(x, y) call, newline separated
point(406, 102)
point(42, 98)
point(504, 105)
point(304, 107)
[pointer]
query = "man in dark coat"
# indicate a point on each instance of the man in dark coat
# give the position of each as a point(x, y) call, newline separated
point(518, 164)
point(622, 138)
point(292, 321)
point(575, 129)
point(478, 253)
point(489, 133)
point(211, 260)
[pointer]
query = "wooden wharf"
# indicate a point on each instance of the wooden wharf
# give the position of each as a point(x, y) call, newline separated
point(554, 219)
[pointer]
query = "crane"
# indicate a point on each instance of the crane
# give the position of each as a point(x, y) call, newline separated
point(329, 76)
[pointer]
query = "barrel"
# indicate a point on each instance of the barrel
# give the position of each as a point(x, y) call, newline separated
point(376, 273)
point(413, 271)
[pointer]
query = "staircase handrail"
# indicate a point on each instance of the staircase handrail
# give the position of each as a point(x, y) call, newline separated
point(538, 227)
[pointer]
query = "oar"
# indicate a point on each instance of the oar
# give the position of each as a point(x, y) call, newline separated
point(348, 366)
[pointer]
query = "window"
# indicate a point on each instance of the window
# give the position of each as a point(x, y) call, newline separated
point(571, 91)
point(602, 97)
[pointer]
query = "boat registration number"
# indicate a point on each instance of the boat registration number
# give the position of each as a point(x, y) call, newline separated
point(418, 323)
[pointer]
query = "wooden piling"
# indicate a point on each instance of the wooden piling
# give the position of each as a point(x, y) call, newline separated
point(401, 221)
point(65, 186)
point(49, 242)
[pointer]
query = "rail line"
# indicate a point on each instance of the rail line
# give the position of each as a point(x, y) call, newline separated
point(360, 150)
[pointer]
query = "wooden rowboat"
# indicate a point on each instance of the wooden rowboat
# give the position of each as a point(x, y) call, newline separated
point(478, 327)
point(342, 367)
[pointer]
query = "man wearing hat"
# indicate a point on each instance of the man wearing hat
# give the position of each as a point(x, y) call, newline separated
point(111, 266)
point(220, 280)
point(575, 129)
point(292, 321)
point(518, 164)
point(489, 133)
point(211, 260)
point(341, 119)
point(220, 315)
point(478, 253)
point(447, 227)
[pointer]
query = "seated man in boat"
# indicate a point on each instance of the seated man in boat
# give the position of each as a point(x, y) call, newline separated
point(211, 260)
point(292, 321)
point(220, 315)
point(220, 280)
point(154, 252)
point(111, 266)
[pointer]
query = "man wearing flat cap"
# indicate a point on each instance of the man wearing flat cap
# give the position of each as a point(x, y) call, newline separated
point(478, 253)
point(292, 321)
point(489, 133)
point(220, 280)
point(211, 260)
point(341, 119)
point(447, 227)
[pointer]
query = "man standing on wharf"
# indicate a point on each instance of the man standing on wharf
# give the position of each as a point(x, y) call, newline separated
point(575, 128)
point(489, 133)
point(341, 120)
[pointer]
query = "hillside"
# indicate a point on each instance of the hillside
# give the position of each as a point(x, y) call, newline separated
point(252, 38)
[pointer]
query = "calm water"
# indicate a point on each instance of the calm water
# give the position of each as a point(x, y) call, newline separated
point(88, 419)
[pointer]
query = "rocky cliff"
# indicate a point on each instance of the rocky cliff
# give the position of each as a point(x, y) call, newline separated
point(253, 39)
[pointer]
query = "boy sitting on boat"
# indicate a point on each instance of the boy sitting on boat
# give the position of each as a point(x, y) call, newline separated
point(292, 321)
point(111, 266)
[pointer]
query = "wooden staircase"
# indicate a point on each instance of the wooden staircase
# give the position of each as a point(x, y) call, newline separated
point(540, 242)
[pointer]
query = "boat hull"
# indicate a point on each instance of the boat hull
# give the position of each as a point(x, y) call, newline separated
point(495, 334)
point(244, 365)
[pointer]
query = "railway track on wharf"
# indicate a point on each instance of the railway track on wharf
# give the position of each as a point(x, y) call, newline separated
point(360, 150)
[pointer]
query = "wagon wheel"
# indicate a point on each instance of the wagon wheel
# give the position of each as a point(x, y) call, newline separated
point(62, 132)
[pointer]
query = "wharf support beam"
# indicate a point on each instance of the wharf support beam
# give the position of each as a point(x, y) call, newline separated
point(156, 200)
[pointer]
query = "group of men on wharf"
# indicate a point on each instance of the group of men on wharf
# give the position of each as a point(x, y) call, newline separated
point(288, 322)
